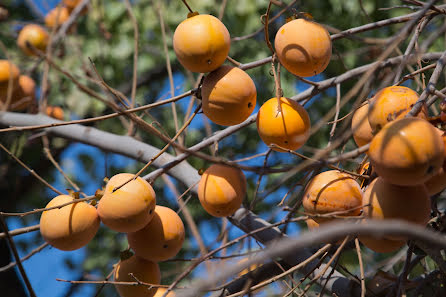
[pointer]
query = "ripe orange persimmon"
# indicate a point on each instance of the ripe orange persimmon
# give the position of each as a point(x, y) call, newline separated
point(311, 224)
point(383, 200)
point(35, 35)
point(55, 112)
point(69, 227)
point(381, 245)
point(144, 270)
point(332, 191)
point(392, 103)
point(288, 128)
point(161, 239)
point(362, 132)
point(221, 190)
point(25, 94)
point(57, 16)
point(8, 70)
point(161, 291)
point(437, 183)
point(201, 43)
point(303, 47)
point(407, 152)
point(129, 208)
point(229, 96)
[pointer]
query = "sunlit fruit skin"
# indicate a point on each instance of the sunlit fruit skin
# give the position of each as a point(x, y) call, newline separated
point(221, 190)
point(25, 94)
point(332, 191)
point(201, 43)
point(362, 132)
point(8, 70)
point(35, 35)
point(161, 291)
point(381, 245)
point(407, 152)
point(392, 103)
point(129, 208)
point(161, 239)
point(303, 47)
point(55, 112)
point(57, 16)
point(144, 270)
point(228, 96)
point(289, 128)
point(383, 200)
point(69, 227)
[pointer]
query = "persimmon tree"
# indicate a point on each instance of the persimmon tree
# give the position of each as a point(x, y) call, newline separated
point(117, 77)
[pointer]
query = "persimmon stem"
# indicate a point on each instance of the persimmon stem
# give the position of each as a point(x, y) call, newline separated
point(187, 5)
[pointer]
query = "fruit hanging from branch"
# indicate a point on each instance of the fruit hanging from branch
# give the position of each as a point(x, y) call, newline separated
point(35, 36)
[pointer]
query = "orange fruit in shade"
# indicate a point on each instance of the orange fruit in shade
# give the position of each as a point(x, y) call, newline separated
point(383, 200)
point(381, 245)
point(55, 112)
point(407, 152)
point(71, 4)
point(228, 96)
point(7, 70)
point(161, 239)
point(288, 128)
point(362, 132)
point(144, 270)
point(392, 103)
point(69, 227)
point(201, 43)
point(129, 208)
point(161, 291)
point(332, 191)
point(221, 190)
point(303, 47)
point(25, 94)
point(35, 35)
point(437, 183)
point(311, 224)
point(57, 16)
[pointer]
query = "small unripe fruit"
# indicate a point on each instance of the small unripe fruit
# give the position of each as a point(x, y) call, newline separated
point(69, 227)
point(288, 128)
point(362, 132)
point(221, 190)
point(36, 36)
point(161, 239)
point(407, 152)
point(129, 208)
point(144, 270)
point(332, 191)
point(303, 47)
point(229, 96)
point(201, 43)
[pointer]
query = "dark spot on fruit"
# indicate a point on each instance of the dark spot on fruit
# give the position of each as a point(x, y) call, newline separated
point(286, 141)
point(165, 246)
point(209, 62)
point(249, 104)
point(151, 211)
point(430, 170)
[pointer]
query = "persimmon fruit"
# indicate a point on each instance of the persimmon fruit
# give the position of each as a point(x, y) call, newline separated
point(221, 190)
point(25, 94)
point(161, 239)
point(287, 126)
point(303, 47)
point(332, 191)
point(69, 227)
point(8, 70)
point(35, 35)
point(407, 152)
point(161, 291)
point(129, 208)
point(392, 103)
point(201, 43)
point(381, 245)
point(437, 183)
point(55, 112)
point(57, 16)
point(228, 96)
point(144, 270)
point(362, 132)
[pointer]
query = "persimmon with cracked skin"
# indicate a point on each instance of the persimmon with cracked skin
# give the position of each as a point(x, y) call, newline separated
point(69, 227)
point(303, 47)
point(161, 239)
point(383, 200)
point(228, 95)
point(36, 36)
point(407, 152)
point(144, 270)
point(332, 191)
point(221, 190)
point(129, 208)
point(201, 43)
point(362, 132)
point(287, 126)
point(390, 104)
